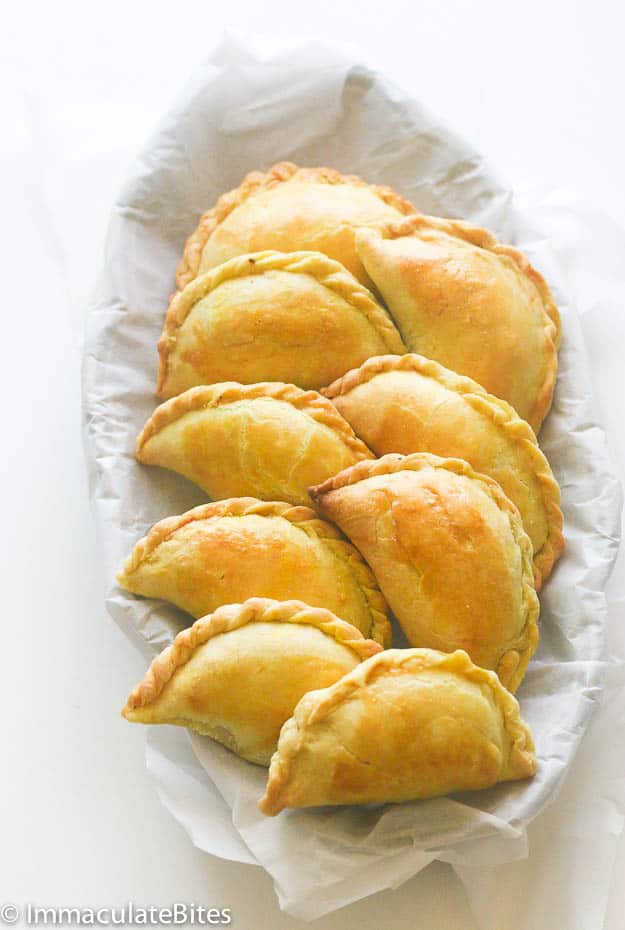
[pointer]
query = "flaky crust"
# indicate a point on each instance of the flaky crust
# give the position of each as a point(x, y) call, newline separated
point(324, 270)
point(302, 517)
point(513, 662)
point(257, 181)
point(318, 705)
point(517, 431)
point(483, 239)
point(313, 404)
point(231, 617)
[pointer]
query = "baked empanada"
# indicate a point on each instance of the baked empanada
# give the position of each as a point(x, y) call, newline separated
point(297, 317)
point(412, 404)
point(270, 441)
point(403, 725)
point(476, 306)
point(449, 552)
point(229, 551)
point(289, 209)
point(237, 674)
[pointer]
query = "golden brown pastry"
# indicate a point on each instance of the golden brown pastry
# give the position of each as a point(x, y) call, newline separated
point(237, 674)
point(289, 209)
point(270, 441)
point(229, 551)
point(449, 552)
point(403, 725)
point(297, 317)
point(474, 305)
point(412, 404)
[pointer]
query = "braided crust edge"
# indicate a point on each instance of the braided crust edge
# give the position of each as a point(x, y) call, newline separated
point(483, 239)
point(498, 412)
point(311, 403)
point(300, 516)
point(232, 617)
point(318, 705)
point(256, 181)
point(324, 270)
point(513, 662)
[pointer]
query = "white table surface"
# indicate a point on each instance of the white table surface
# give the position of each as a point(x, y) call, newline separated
point(537, 87)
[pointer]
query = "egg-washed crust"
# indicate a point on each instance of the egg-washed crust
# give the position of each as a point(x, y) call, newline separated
point(232, 617)
point(258, 181)
point(301, 517)
point(475, 235)
point(499, 412)
point(316, 706)
point(327, 272)
point(312, 404)
point(513, 662)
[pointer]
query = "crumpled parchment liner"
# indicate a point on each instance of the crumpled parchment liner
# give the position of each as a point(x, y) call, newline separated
point(314, 106)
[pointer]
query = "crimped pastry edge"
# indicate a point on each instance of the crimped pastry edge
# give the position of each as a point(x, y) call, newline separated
point(311, 403)
point(230, 617)
point(484, 239)
point(315, 706)
point(298, 515)
point(326, 271)
point(259, 180)
point(514, 659)
point(499, 412)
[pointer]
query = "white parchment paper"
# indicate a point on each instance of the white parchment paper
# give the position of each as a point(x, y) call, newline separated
point(246, 109)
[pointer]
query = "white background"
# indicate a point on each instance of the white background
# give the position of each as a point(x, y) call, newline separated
point(537, 86)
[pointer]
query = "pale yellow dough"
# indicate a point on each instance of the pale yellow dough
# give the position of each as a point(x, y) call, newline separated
point(449, 552)
point(403, 725)
point(237, 674)
point(474, 305)
point(270, 441)
point(296, 317)
point(289, 209)
point(410, 404)
point(229, 551)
